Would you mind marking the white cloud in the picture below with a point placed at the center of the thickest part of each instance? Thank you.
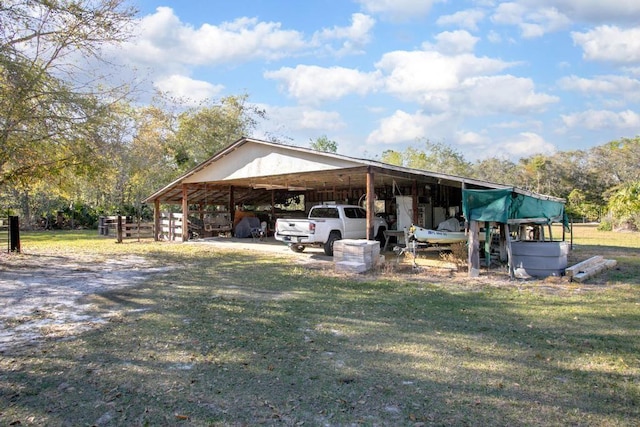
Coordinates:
(427, 77)
(602, 119)
(467, 19)
(516, 124)
(526, 144)
(455, 42)
(494, 37)
(402, 127)
(533, 19)
(502, 94)
(398, 10)
(298, 122)
(597, 11)
(471, 139)
(536, 18)
(311, 84)
(509, 13)
(356, 36)
(185, 87)
(164, 38)
(610, 43)
(463, 82)
(619, 87)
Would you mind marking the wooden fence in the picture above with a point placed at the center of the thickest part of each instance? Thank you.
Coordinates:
(170, 227)
(124, 227)
(199, 226)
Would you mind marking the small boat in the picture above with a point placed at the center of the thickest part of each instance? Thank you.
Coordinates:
(436, 237)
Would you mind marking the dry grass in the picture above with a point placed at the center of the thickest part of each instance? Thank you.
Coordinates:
(237, 338)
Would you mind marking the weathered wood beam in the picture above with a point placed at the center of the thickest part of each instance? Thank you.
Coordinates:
(371, 205)
(474, 249)
(156, 219)
(185, 212)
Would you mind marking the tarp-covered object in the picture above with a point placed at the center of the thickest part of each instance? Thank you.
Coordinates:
(246, 224)
(501, 205)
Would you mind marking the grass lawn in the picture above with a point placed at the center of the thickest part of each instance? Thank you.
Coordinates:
(239, 338)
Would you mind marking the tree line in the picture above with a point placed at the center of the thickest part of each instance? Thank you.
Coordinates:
(73, 147)
(599, 184)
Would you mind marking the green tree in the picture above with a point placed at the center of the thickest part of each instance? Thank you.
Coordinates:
(51, 118)
(392, 157)
(617, 161)
(415, 158)
(324, 144)
(202, 131)
(435, 157)
(494, 169)
(580, 207)
(624, 204)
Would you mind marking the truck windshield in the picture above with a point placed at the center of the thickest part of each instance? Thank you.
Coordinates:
(324, 213)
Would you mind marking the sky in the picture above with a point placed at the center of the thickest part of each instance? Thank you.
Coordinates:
(487, 78)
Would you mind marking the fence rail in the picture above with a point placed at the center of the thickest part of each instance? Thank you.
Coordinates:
(124, 227)
(170, 227)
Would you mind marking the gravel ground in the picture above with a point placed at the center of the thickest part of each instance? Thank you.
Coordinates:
(47, 300)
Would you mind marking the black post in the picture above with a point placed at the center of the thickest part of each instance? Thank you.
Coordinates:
(14, 234)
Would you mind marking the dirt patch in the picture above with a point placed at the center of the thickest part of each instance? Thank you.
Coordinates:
(44, 296)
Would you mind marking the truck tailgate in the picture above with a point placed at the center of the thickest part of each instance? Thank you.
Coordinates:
(292, 226)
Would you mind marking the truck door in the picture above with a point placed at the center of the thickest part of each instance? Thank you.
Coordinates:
(355, 223)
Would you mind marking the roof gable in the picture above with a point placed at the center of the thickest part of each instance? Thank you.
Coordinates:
(252, 159)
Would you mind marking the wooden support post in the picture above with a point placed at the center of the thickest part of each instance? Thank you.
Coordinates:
(414, 206)
(474, 249)
(232, 205)
(156, 219)
(273, 212)
(505, 230)
(171, 231)
(185, 213)
(504, 234)
(119, 229)
(371, 205)
(487, 244)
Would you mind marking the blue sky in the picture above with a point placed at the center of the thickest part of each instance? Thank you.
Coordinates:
(489, 78)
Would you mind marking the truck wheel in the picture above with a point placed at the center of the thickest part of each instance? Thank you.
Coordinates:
(328, 246)
(296, 247)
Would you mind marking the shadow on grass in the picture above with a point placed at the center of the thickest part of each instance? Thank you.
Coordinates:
(233, 338)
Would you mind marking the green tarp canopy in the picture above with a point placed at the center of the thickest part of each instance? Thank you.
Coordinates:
(503, 205)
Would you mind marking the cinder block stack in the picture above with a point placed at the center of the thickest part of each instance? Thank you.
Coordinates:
(356, 256)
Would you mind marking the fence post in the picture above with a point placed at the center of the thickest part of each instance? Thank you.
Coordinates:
(119, 229)
(14, 234)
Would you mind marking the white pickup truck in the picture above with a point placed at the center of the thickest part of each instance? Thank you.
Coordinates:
(325, 225)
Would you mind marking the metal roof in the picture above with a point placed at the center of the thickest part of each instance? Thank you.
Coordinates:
(254, 167)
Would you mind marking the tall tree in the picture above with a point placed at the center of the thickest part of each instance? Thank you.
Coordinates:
(392, 157)
(494, 169)
(617, 161)
(50, 111)
(204, 130)
(324, 144)
(624, 204)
